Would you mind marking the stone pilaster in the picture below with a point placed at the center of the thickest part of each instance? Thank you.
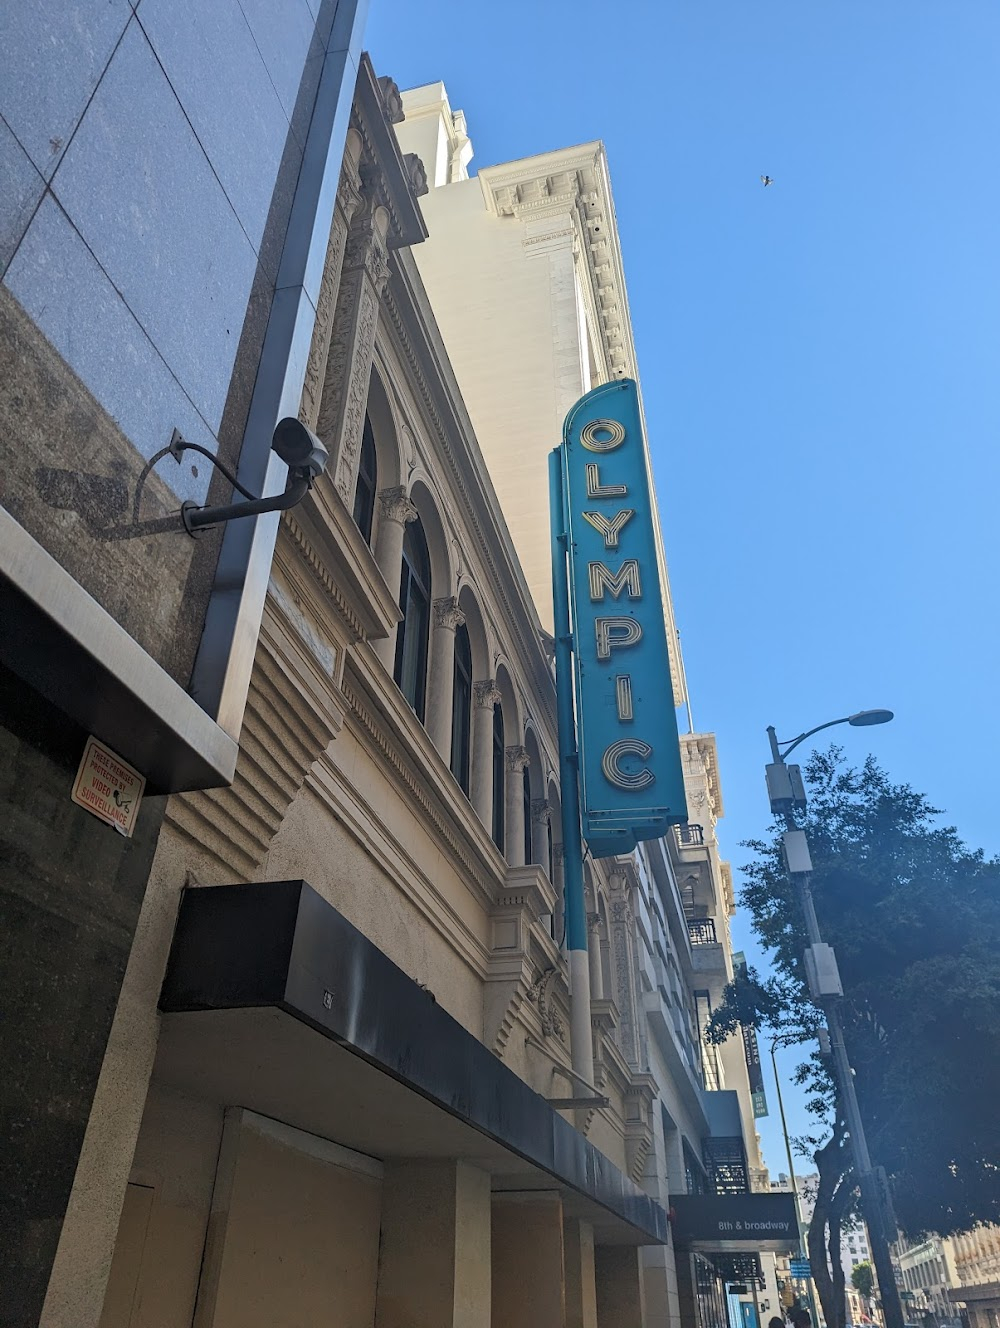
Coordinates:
(347, 204)
(352, 344)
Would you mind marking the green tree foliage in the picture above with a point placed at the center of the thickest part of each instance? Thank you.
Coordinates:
(914, 917)
(863, 1279)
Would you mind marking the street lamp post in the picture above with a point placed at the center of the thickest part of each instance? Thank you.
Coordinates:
(787, 794)
(780, 1041)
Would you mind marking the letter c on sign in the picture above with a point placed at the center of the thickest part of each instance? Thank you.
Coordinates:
(589, 432)
(614, 774)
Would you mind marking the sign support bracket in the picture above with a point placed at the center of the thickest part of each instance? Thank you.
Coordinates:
(572, 841)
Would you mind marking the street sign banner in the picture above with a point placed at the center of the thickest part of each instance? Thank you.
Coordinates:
(799, 1269)
(631, 783)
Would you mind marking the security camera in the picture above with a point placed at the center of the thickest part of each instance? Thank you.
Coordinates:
(298, 448)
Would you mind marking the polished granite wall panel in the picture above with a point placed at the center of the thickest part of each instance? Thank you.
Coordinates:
(52, 57)
(285, 36)
(20, 191)
(149, 268)
(138, 187)
(215, 68)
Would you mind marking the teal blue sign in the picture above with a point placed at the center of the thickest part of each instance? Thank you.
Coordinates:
(631, 785)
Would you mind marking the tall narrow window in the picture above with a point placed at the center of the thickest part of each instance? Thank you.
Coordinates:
(364, 494)
(410, 670)
(526, 796)
(461, 709)
(499, 827)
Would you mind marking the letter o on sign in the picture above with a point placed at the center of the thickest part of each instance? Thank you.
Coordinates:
(590, 440)
(611, 767)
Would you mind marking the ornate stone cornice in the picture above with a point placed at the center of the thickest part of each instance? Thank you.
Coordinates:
(391, 182)
(571, 191)
(447, 613)
(516, 759)
(486, 693)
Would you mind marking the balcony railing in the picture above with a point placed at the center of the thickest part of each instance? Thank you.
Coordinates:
(702, 931)
(691, 836)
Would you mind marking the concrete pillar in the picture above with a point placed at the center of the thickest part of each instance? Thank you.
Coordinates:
(485, 696)
(448, 617)
(660, 1284)
(594, 957)
(434, 1265)
(395, 510)
(528, 1273)
(620, 1301)
(581, 1286)
(516, 763)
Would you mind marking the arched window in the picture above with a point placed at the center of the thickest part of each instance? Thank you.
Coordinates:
(526, 796)
(499, 826)
(410, 670)
(364, 494)
(461, 709)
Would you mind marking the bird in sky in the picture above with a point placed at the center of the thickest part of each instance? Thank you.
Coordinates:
(766, 180)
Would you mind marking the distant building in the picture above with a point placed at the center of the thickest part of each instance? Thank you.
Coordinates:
(975, 1258)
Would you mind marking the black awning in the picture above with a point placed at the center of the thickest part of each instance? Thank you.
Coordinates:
(243, 952)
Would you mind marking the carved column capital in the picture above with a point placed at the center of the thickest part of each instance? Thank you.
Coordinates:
(394, 505)
(517, 759)
(540, 810)
(594, 921)
(447, 613)
(487, 694)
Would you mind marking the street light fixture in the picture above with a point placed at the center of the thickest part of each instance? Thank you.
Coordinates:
(787, 795)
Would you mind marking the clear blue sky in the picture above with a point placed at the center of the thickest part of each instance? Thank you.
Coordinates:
(818, 359)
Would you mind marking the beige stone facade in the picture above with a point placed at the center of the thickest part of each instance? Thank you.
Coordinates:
(247, 1162)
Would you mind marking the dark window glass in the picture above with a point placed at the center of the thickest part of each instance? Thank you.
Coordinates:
(526, 795)
(364, 494)
(461, 709)
(498, 773)
(410, 670)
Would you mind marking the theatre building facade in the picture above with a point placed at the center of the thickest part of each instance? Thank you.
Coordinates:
(338, 1085)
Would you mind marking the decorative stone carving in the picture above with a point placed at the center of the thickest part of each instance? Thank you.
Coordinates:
(415, 173)
(517, 759)
(594, 922)
(448, 614)
(486, 693)
(352, 345)
(538, 994)
(541, 811)
(391, 100)
(348, 200)
(394, 505)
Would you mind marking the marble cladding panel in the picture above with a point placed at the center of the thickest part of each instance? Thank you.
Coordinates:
(139, 189)
(215, 68)
(52, 57)
(21, 189)
(56, 280)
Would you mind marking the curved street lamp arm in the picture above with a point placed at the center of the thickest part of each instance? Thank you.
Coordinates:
(790, 746)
